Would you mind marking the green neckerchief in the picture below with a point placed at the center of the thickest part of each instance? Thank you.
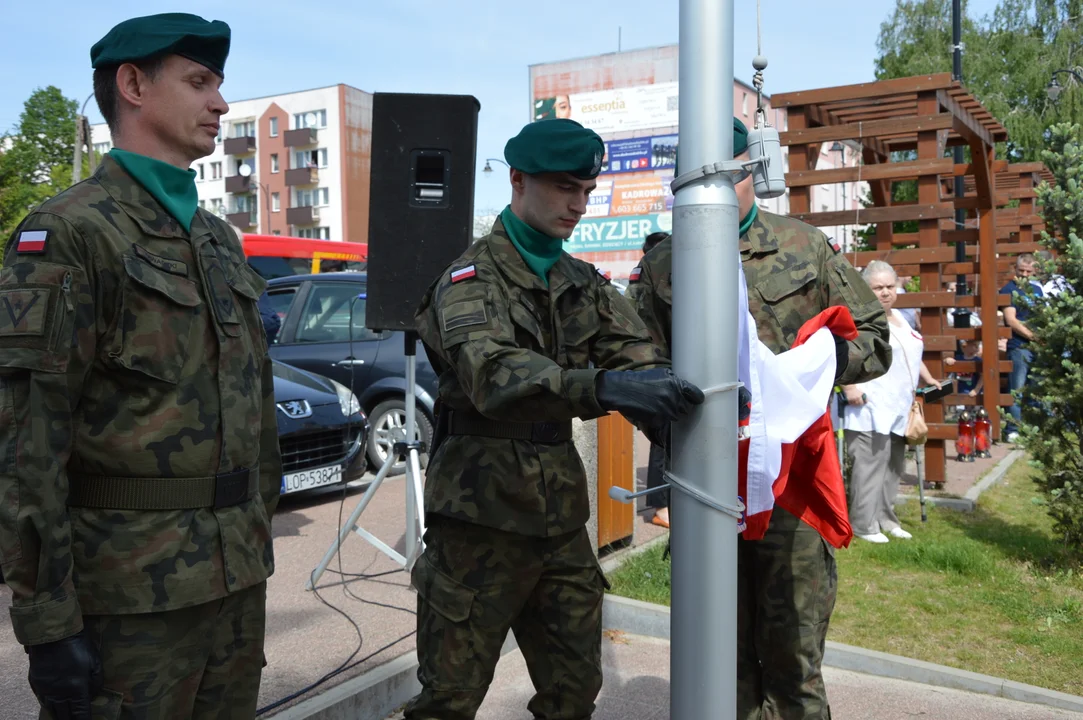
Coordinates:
(173, 187)
(749, 219)
(539, 251)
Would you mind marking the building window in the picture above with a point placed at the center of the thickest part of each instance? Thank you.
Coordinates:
(276, 205)
(216, 206)
(274, 162)
(316, 233)
(274, 127)
(218, 138)
(276, 232)
(103, 147)
(744, 104)
(314, 198)
(310, 158)
(200, 172)
(823, 208)
(203, 204)
(311, 119)
(216, 171)
(244, 129)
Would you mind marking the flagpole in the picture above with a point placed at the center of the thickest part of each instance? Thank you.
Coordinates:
(703, 665)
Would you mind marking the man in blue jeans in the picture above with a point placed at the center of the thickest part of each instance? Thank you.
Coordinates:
(1015, 315)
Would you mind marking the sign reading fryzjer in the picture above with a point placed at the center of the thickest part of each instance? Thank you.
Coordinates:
(616, 233)
(616, 110)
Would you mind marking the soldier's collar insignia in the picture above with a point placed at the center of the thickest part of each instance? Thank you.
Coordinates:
(463, 274)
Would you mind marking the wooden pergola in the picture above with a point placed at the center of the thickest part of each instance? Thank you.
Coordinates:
(925, 115)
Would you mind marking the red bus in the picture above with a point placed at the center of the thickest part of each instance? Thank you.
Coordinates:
(275, 256)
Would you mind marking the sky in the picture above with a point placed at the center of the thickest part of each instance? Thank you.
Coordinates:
(477, 47)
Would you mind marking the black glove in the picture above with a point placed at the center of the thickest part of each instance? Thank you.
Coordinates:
(646, 397)
(842, 355)
(65, 675)
(744, 403)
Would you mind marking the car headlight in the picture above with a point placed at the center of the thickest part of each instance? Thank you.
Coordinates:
(347, 400)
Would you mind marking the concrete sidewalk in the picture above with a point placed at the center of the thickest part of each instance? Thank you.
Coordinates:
(637, 688)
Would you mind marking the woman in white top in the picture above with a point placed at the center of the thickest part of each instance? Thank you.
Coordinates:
(875, 419)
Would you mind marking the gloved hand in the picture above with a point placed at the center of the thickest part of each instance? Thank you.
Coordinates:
(744, 404)
(842, 355)
(66, 675)
(646, 397)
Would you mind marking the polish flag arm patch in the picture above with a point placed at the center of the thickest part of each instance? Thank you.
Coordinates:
(463, 274)
(32, 242)
(635, 274)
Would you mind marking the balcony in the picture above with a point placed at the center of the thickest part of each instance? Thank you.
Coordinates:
(238, 184)
(304, 215)
(300, 137)
(239, 145)
(301, 176)
(243, 220)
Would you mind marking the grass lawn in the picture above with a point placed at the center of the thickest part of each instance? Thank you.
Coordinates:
(991, 591)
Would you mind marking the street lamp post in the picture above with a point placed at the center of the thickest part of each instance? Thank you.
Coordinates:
(1054, 90)
(82, 134)
(488, 169)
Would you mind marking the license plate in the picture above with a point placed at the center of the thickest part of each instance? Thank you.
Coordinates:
(308, 479)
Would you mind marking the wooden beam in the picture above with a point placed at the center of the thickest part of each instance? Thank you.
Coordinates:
(822, 117)
(974, 333)
(967, 124)
(800, 198)
(943, 431)
(869, 90)
(970, 366)
(938, 343)
(910, 256)
(876, 215)
(1004, 400)
(869, 129)
(878, 171)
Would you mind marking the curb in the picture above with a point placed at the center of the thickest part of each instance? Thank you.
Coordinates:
(969, 501)
(640, 618)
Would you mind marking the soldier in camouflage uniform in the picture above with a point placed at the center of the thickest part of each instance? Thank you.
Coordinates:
(139, 463)
(787, 580)
(525, 338)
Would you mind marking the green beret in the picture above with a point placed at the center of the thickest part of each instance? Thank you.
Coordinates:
(558, 145)
(740, 137)
(190, 36)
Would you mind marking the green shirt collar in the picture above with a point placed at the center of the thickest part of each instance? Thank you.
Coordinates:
(540, 252)
(171, 186)
(749, 219)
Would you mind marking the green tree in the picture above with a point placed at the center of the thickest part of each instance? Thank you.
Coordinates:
(1052, 401)
(1008, 60)
(37, 155)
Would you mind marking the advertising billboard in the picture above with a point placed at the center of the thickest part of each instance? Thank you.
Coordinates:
(614, 110)
(640, 154)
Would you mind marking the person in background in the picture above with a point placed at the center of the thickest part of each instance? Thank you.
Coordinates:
(658, 501)
(969, 383)
(271, 322)
(913, 318)
(1015, 316)
(875, 419)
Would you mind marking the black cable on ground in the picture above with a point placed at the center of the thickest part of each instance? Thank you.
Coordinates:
(348, 663)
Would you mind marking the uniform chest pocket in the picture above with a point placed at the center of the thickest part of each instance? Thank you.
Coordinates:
(246, 288)
(528, 329)
(156, 321)
(785, 282)
(790, 296)
(579, 329)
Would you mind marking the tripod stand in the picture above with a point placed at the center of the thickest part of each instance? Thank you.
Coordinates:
(406, 448)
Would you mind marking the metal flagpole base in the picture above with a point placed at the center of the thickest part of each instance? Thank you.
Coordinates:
(415, 510)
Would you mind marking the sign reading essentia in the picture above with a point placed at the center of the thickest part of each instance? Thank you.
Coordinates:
(615, 110)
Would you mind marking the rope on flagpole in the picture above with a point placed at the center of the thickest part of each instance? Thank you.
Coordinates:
(737, 511)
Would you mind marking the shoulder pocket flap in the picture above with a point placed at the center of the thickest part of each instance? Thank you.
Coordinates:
(177, 289)
(248, 282)
(447, 596)
(787, 281)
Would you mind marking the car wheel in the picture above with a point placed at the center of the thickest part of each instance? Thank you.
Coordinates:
(388, 421)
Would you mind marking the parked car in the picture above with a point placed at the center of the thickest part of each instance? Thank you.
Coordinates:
(321, 430)
(317, 335)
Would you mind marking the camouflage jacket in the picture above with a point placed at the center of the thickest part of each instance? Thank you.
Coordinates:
(129, 348)
(509, 348)
(793, 272)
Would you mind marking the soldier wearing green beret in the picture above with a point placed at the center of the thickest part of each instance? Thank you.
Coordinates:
(137, 411)
(786, 582)
(524, 339)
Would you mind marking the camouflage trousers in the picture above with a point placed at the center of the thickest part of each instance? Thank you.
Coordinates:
(200, 662)
(474, 584)
(785, 594)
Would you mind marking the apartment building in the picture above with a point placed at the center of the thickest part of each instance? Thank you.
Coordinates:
(295, 164)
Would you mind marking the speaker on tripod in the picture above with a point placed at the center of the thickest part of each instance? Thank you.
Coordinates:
(421, 207)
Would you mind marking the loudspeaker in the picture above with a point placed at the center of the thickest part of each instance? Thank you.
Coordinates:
(421, 201)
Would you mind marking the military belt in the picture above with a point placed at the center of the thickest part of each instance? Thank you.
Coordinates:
(466, 423)
(176, 493)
